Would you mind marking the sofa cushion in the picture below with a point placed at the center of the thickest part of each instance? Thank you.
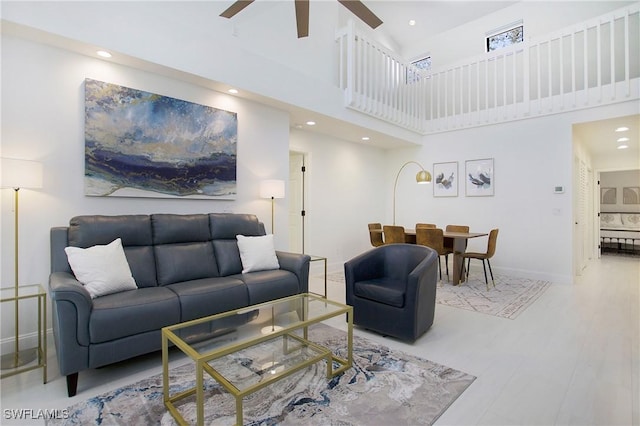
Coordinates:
(132, 312)
(210, 296)
(263, 286)
(133, 230)
(102, 269)
(87, 231)
(185, 262)
(226, 226)
(175, 228)
(384, 290)
(257, 253)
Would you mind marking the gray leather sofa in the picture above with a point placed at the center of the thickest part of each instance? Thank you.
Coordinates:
(185, 267)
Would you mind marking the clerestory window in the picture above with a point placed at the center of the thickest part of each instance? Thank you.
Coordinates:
(505, 36)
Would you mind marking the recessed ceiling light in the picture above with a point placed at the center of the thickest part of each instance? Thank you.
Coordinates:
(311, 123)
(103, 53)
(365, 138)
(233, 91)
(622, 129)
(623, 139)
(412, 22)
(623, 146)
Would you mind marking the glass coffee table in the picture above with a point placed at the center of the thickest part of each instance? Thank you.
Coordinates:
(247, 349)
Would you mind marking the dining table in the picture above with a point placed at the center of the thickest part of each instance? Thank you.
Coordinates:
(459, 246)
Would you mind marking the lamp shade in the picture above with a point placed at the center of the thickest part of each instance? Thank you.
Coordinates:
(21, 173)
(423, 176)
(272, 188)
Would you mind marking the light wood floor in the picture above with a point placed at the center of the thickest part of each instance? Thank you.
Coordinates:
(571, 358)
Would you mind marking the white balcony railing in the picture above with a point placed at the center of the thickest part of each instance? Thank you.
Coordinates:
(590, 64)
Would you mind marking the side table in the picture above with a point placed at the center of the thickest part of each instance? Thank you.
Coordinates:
(26, 292)
(321, 259)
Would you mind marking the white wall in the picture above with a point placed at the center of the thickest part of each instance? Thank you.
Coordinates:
(620, 180)
(43, 119)
(345, 192)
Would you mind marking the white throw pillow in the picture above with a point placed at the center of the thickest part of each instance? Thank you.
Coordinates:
(101, 269)
(257, 253)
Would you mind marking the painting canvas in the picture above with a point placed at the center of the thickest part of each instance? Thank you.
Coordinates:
(445, 176)
(140, 144)
(479, 178)
(608, 196)
(631, 195)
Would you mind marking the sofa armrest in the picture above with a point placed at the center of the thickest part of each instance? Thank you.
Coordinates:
(298, 264)
(74, 306)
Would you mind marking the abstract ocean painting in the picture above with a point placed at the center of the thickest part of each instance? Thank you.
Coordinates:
(140, 144)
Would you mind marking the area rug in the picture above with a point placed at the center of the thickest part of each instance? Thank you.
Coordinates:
(383, 387)
(510, 297)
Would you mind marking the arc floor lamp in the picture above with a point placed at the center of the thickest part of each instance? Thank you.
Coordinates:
(272, 188)
(422, 177)
(19, 174)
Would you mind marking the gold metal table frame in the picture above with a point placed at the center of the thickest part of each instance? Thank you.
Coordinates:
(27, 292)
(277, 323)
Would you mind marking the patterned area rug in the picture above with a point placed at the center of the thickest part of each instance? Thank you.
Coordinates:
(383, 387)
(510, 297)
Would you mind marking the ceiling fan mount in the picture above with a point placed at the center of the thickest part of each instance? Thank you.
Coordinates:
(302, 13)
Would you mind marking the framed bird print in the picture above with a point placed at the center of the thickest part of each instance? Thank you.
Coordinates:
(479, 178)
(445, 177)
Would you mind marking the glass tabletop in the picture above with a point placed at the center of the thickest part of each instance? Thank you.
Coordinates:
(232, 331)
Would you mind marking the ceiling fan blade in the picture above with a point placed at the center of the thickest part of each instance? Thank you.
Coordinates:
(235, 8)
(302, 17)
(361, 11)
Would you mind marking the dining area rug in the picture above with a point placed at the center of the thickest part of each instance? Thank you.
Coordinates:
(384, 386)
(508, 299)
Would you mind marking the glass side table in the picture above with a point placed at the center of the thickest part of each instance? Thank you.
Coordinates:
(28, 292)
(321, 259)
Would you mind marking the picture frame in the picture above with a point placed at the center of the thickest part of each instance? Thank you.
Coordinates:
(445, 179)
(608, 196)
(631, 195)
(142, 144)
(479, 178)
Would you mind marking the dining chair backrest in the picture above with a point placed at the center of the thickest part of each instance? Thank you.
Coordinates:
(425, 225)
(491, 244)
(375, 234)
(393, 234)
(448, 242)
(431, 237)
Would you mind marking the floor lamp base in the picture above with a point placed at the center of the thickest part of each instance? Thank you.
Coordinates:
(15, 360)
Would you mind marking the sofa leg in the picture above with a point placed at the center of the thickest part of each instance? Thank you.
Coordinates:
(72, 384)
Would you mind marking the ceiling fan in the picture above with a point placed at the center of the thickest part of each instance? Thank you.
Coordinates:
(302, 13)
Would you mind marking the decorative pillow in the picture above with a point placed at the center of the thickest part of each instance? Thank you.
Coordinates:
(631, 220)
(257, 253)
(101, 269)
(612, 220)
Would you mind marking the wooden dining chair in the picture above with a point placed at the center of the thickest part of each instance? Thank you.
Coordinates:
(448, 242)
(491, 250)
(433, 237)
(425, 225)
(375, 234)
(393, 234)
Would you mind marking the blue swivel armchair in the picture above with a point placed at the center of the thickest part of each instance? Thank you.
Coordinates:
(392, 289)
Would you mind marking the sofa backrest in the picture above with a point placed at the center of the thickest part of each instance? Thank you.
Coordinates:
(224, 228)
(182, 245)
(133, 230)
(163, 248)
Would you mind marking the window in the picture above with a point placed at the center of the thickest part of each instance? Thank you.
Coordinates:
(423, 64)
(502, 38)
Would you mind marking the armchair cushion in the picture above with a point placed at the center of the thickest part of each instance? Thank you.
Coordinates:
(383, 290)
